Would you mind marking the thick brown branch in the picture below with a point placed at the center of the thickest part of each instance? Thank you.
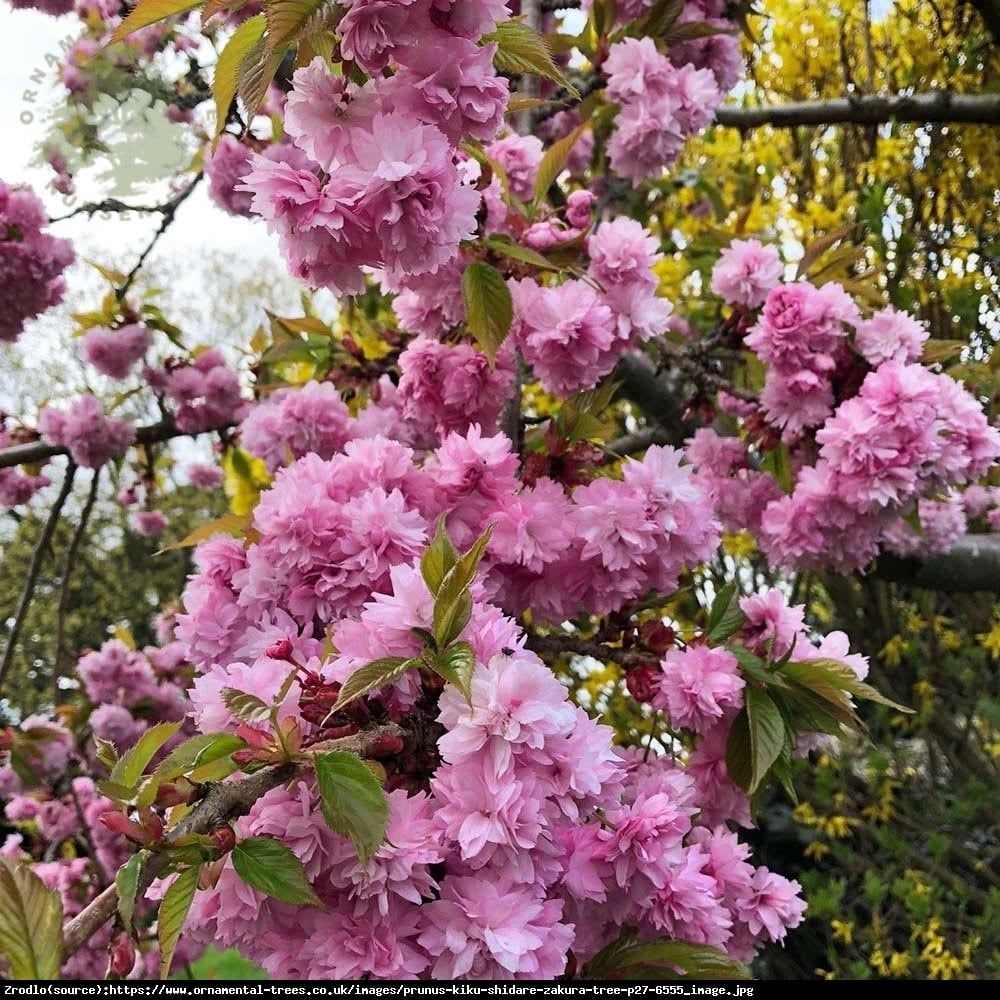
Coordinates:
(28, 591)
(222, 802)
(39, 451)
(556, 645)
(972, 564)
(941, 108)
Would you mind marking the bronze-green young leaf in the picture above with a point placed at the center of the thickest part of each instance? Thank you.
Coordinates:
(172, 914)
(31, 916)
(489, 308)
(373, 677)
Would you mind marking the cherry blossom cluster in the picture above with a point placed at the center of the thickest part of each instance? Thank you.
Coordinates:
(17, 486)
(383, 185)
(31, 261)
(83, 429)
(205, 393)
(519, 838)
(54, 804)
(874, 437)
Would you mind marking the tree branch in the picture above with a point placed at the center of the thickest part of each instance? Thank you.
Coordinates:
(972, 564)
(942, 107)
(555, 645)
(68, 564)
(222, 802)
(28, 591)
(38, 451)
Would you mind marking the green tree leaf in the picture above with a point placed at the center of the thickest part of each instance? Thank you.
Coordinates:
(554, 160)
(270, 867)
(724, 617)
(245, 707)
(354, 803)
(172, 914)
(438, 558)
(452, 604)
(289, 20)
(506, 247)
(521, 49)
(31, 917)
(455, 664)
(148, 12)
(190, 755)
(225, 78)
(628, 958)
(373, 677)
(129, 768)
(234, 525)
(127, 882)
(767, 733)
(840, 676)
(489, 308)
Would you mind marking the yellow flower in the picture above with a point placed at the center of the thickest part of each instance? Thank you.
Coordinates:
(843, 930)
(899, 964)
(892, 652)
(991, 640)
(739, 545)
(816, 850)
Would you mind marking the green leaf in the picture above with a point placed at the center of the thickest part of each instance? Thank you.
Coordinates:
(753, 666)
(172, 914)
(506, 247)
(840, 676)
(255, 73)
(106, 753)
(129, 768)
(245, 707)
(288, 20)
(489, 308)
(662, 17)
(725, 617)
(767, 733)
(603, 15)
(521, 49)
(271, 868)
(190, 755)
(127, 882)
(554, 160)
(624, 958)
(373, 677)
(689, 31)
(452, 604)
(778, 462)
(31, 938)
(224, 80)
(148, 12)
(739, 759)
(456, 664)
(809, 711)
(354, 804)
(438, 559)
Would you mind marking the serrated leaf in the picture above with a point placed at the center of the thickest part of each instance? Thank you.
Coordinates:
(148, 12)
(172, 914)
(234, 525)
(31, 938)
(127, 883)
(819, 246)
(452, 604)
(767, 733)
(190, 755)
(939, 351)
(840, 676)
(456, 664)
(271, 868)
(489, 308)
(554, 160)
(739, 759)
(506, 247)
(255, 73)
(372, 677)
(288, 20)
(224, 80)
(661, 959)
(245, 707)
(130, 767)
(438, 558)
(521, 49)
(690, 31)
(353, 801)
(724, 617)
(106, 753)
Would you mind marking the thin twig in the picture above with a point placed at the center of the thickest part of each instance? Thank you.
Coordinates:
(28, 591)
(640, 440)
(169, 211)
(555, 645)
(222, 802)
(68, 564)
